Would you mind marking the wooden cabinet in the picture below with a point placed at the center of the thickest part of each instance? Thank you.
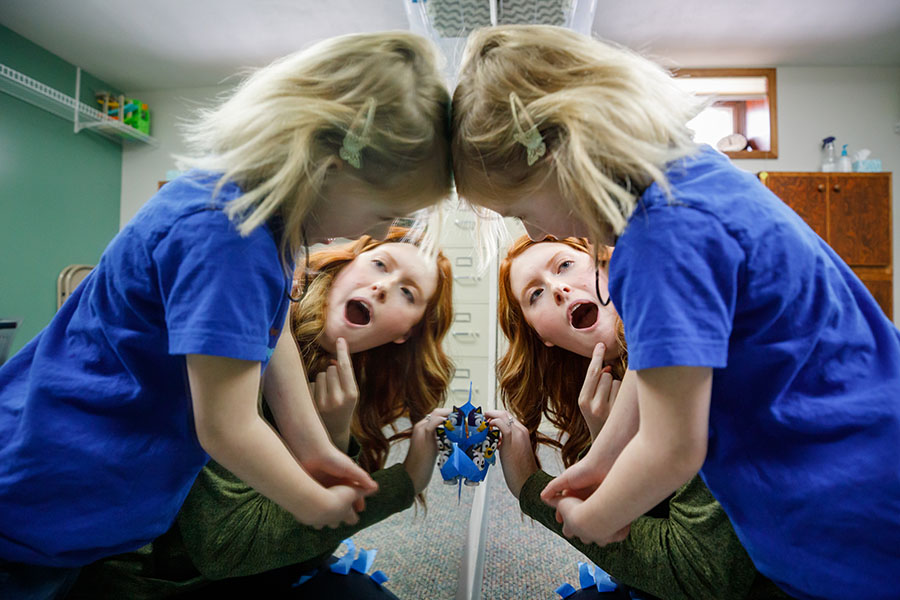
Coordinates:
(850, 211)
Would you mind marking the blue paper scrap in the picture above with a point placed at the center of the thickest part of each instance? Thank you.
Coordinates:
(342, 566)
(304, 578)
(604, 582)
(585, 575)
(361, 563)
(379, 577)
(589, 575)
(364, 561)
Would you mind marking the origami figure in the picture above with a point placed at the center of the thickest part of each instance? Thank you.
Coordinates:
(466, 445)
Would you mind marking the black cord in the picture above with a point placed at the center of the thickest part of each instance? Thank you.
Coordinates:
(305, 268)
(597, 287)
(306, 262)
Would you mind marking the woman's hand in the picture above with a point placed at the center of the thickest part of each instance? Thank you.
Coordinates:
(422, 453)
(598, 393)
(515, 450)
(335, 394)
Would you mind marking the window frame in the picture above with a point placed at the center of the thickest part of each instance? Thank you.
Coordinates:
(771, 96)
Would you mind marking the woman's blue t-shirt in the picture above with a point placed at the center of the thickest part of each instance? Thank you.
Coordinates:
(97, 442)
(804, 426)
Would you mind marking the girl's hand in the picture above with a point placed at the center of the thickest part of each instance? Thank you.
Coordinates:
(580, 480)
(422, 453)
(570, 512)
(515, 450)
(331, 467)
(335, 394)
(598, 392)
(337, 505)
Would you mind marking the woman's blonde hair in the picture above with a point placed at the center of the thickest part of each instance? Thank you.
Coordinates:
(285, 126)
(609, 121)
(537, 380)
(395, 380)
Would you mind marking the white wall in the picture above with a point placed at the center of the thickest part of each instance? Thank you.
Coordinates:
(144, 166)
(858, 105)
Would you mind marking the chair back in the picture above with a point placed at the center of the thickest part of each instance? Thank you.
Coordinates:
(68, 280)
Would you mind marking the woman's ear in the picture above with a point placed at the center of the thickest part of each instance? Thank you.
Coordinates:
(402, 339)
(548, 344)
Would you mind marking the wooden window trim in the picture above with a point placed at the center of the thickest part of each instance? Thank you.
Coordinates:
(772, 94)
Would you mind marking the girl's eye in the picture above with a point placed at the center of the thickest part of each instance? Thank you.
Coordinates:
(409, 295)
(379, 264)
(564, 265)
(534, 296)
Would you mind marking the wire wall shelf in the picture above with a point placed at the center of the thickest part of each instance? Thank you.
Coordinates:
(83, 116)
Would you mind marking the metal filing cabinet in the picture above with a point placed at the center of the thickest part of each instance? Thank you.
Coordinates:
(470, 341)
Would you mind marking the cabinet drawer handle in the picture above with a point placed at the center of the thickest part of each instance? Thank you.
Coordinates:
(462, 374)
(465, 335)
(837, 188)
(464, 391)
(467, 278)
(821, 187)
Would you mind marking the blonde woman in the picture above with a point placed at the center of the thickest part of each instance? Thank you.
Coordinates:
(755, 353)
(155, 362)
(370, 327)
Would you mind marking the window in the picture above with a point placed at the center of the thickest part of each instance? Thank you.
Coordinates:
(741, 119)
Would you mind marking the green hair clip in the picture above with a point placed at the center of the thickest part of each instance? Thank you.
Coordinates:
(533, 143)
(531, 139)
(354, 143)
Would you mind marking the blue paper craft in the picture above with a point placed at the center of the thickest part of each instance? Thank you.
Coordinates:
(585, 575)
(604, 582)
(466, 445)
(364, 561)
(343, 564)
(379, 577)
(361, 563)
(589, 575)
(304, 578)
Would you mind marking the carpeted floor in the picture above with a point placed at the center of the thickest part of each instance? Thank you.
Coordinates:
(421, 553)
(523, 560)
(421, 550)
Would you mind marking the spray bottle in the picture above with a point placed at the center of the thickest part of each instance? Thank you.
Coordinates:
(829, 157)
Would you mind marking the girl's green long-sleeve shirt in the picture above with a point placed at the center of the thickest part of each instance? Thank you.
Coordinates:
(692, 554)
(227, 529)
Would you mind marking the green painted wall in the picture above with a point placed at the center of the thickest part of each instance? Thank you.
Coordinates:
(59, 191)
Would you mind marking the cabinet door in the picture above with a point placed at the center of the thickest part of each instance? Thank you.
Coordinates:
(882, 288)
(806, 193)
(860, 218)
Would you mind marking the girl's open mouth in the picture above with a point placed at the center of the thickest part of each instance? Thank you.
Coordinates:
(584, 315)
(357, 312)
